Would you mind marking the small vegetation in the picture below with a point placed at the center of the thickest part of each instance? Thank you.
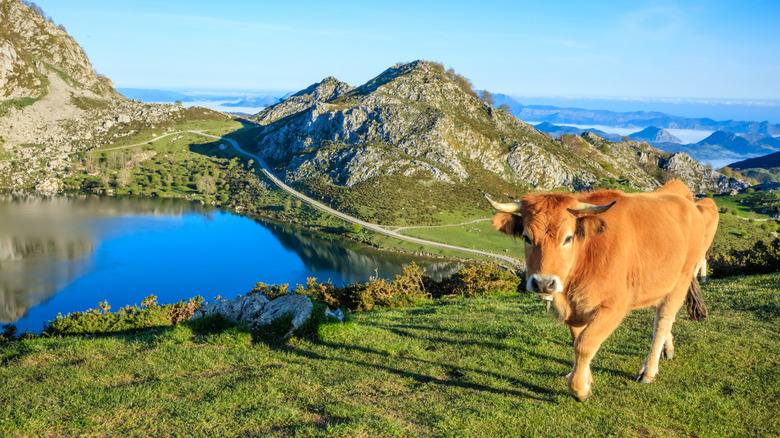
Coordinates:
(761, 258)
(18, 104)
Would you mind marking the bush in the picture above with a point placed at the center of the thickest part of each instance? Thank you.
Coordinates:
(476, 280)
(127, 319)
(762, 258)
(407, 288)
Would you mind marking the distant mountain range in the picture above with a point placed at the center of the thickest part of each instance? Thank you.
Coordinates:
(228, 99)
(636, 119)
(721, 146)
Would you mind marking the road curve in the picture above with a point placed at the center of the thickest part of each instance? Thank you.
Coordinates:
(374, 227)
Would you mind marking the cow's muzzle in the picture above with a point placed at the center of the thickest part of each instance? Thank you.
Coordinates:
(544, 285)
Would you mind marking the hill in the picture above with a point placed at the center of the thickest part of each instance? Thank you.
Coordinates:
(559, 130)
(417, 136)
(52, 103)
(764, 169)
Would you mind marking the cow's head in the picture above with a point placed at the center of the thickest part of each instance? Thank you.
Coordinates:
(553, 228)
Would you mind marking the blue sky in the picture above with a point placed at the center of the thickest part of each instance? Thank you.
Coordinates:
(691, 49)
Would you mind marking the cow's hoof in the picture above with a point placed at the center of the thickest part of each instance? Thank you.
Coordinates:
(581, 397)
(668, 353)
(644, 378)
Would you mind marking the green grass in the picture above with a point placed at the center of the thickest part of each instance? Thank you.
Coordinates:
(18, 103)
(477, 235)
(739, 234)
(486, 366)
(751, 205)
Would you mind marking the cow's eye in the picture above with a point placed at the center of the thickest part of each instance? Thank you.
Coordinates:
(527, 239)
(567, 240)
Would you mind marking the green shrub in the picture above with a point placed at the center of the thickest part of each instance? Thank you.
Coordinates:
(762, 258)
(476, 280)
(407, 289)
(127, 319)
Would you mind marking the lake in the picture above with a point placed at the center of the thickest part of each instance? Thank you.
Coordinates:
(67, 254)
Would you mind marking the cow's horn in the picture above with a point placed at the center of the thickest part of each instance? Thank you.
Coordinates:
(509, 207)
(584, 208)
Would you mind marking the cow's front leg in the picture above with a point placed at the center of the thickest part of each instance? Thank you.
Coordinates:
(575, 333)
(603, 322)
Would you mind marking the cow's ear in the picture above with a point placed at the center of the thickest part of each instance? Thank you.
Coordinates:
(590, 226)
(508, 223)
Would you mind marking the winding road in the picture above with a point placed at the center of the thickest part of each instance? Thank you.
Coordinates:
(373, 227)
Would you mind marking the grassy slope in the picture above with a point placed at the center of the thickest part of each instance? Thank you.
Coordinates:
(488, 366)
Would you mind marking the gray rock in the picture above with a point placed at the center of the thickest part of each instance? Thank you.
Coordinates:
(49, 186)
(256, 310)
(299, 306)
(241, 309)
(338, 314)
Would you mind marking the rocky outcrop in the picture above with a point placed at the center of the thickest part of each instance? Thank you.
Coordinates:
(698, 178)
(257, 311)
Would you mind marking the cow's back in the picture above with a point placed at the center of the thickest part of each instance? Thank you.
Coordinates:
(652, 239)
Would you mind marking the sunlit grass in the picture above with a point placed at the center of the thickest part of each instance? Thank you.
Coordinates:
(486, 366)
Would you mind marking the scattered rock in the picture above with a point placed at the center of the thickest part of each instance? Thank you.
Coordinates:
(241, 309)
(49, 186)
(338, 314)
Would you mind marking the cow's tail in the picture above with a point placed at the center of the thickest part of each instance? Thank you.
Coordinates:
(695, 303)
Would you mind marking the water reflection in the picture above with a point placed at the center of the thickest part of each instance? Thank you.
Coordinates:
(67, 254)
(351, 260)
(46, 243)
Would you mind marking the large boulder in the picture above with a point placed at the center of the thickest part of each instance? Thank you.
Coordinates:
(256, 310)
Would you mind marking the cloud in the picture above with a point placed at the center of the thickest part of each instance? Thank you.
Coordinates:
(573, 44)
(659, 22)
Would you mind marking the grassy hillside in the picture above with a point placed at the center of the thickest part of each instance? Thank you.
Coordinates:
(486, 366)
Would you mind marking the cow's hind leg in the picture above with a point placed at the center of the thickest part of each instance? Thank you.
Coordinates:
(602, 324)
(665, 314)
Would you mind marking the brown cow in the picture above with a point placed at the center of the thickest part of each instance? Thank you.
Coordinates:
(707, 208)
(599, 255)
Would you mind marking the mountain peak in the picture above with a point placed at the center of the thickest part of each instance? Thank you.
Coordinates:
(326, 90)
(653, 134)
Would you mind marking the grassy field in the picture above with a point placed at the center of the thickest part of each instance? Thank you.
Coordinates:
(485, 366)
(753, 205)
(478, 235)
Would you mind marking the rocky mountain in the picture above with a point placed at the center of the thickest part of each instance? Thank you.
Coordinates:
(652, 134)
(634, 119)
(719, 146)
(420, 123)
(328, 89)
(52, 102)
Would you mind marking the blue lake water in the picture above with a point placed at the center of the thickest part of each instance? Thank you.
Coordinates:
(65, 255)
